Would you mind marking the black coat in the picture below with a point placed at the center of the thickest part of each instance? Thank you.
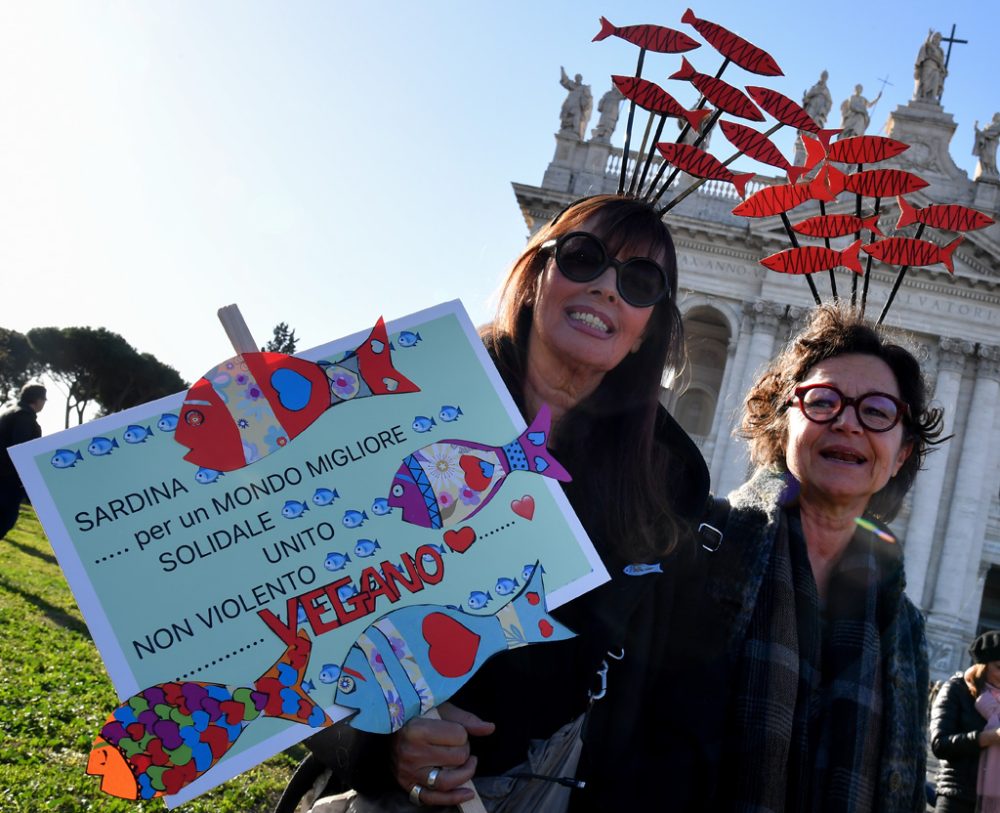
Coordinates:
(955, 727)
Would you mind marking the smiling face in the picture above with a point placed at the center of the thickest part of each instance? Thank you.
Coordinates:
(586, 325)
(841, 463)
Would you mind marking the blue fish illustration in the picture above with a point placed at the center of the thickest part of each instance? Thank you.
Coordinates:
(167, 422)
(301, 616)
(336, 561)
(416, 657)
(642, 570)
(308, 686)
(325, 496)
(408, 338)
(366, 547)
(423, 424)
(505, 586)
(101, 446)
(450, 413)
(329, 673)
(206, 476)
(137, 434)
(354, 519)
(346, 591)
(381, 507)
(478, 599)
(427, 559)
(293, 509)
(529, 569)
(65, 458)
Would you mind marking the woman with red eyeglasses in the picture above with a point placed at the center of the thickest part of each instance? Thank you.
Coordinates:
(621, 716)
(828, 654)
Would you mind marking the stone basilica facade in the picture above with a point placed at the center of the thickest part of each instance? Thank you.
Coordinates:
(737, 314)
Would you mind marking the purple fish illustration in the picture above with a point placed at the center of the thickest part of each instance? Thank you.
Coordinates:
(168, 735)
(416, 657)
(447, 482)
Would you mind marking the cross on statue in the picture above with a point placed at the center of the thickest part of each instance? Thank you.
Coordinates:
(884, 82)
(951, 39)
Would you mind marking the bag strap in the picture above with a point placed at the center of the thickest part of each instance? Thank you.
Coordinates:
(713, 523)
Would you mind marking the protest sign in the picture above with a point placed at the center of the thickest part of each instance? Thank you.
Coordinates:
(270, 571)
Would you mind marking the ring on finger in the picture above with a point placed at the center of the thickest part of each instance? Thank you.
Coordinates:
(432, 777)
(415, 792)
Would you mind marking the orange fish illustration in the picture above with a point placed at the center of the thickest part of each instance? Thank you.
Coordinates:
(950, 217)
(759, 147)
(733, 47)
(788, 112)
(657, 38)
(809, 259)
(697, 162)
(650, 96)
(908, 251)
(837, 225)
(864, 149)
(721, 94)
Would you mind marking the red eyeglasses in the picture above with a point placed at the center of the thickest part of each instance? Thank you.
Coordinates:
(823, 403)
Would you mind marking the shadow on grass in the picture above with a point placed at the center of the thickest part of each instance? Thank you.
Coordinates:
(56, 615)
(30, 551)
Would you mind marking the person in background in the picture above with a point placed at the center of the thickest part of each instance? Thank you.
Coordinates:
(959, 733)
(829, 661)
(627, 711)
(17, 425)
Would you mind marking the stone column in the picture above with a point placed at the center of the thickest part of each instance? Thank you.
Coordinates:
(929, 485)
(956, 604)
(722, 420)
(765, 318)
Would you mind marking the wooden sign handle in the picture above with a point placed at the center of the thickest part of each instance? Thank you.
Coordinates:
(475, 804)
(237, 330)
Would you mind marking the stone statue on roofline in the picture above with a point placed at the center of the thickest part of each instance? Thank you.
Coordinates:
(854, 116)
(929, 71)
(576, 108)
(609, 107)
(985, 149)
(817, 101)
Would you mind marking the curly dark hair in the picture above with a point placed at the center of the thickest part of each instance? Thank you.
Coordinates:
(837, 330)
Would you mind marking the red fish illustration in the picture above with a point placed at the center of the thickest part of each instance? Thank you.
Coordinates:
(864, 149)
(650, 96)
(721, 94)
(699, 163)
(251, 405)
(773, 200)
(788, 112)
(950, 217)
(733, 47)
(759, 147)
(874, 183)
(163, 738)
(907, 251)
(808, 259)
(657, 38)
(837, 225)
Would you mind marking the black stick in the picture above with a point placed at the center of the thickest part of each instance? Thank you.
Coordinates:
(857, 236)
(649, 155)
(628, 128)
(795, 244)
(899, 280)
(642, 149)
(868, 265)
(826, 240)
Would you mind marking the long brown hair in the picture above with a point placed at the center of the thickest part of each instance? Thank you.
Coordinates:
(626, 494)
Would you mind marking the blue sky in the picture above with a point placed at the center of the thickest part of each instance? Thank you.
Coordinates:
(325, 163)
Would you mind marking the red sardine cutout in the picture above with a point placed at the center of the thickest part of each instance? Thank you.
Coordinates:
(950, 217)
(836, 225)
(657, 38)
(788, 112)
(874, 183)
(865, 149)
(773, 200)
(759, 147)
(699, 163)
(732, 46)
(723, 95)
(809, 259)
(908, 251)
(815, 151)
(650, 96)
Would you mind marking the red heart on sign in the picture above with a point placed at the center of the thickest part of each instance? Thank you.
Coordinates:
(452, 647)
(545, 628)
(475, 477)
(524, 507)
(460, 540)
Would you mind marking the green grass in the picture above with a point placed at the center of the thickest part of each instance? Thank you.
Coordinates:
(55, 695)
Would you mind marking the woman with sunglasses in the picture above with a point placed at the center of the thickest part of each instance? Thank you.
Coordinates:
(587, 323)
(828, 653)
